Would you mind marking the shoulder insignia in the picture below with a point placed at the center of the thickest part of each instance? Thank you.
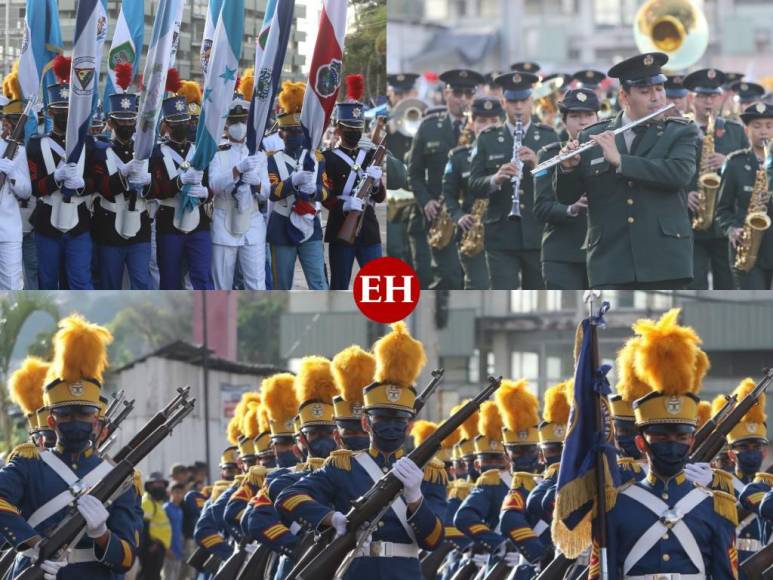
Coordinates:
(459, 149)
(218, 488)
(340, 459)
(490, 477)
(256, 475)
(514, 501)
(629, 464)
(459, 489)
(315, 463)
(490, 129)
(138, 482)
(300, 467)
(551, 470)
(680, 120)
(722, 481)
(435, 472)
(766, 478)
(524, 479)
(25, 451)
(725, 505)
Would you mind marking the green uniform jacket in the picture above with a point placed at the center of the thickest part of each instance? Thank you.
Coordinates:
(729, 136)
(456, 190)
(493, 149)
(563, 239)
(399, 145)
(397, 176)
(638, 225)
(735, 193)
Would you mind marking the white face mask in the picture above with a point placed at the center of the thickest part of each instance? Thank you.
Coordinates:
(237, 131)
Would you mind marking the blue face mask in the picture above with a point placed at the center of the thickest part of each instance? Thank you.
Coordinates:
(286, 459)
(322, 446)
(389, 434)
(627, 444)
(74, 436)
(356, 442)
(749, 461)
(293, 142)
(668, 457)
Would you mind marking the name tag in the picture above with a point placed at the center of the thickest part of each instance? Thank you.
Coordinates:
(466, 174)
(748, 188)
(433, 144)
(495, 157)
(597, 161)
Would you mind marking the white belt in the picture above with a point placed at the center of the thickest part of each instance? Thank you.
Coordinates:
(667, 577)
(388, 550)
(748, 545)
(115, 208)
(81, 555)
(75, 199)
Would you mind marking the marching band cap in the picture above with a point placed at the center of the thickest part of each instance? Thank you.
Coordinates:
(589, 78)
(518, 407)
(490, 429)
(350, 114)
(642, 70)
(732, 77)
(675, 88)
(706, 81)
(124, 105)
(747, 91)
(239, 109)
(314, 388)
(529, 67)
(175, 109)
(13, 108)
(567, 79)
(462, 78)
(757, 111)
(353, 370)
(517, 85)
(402, 81)
(228, 458)
(486, 107)
(752, 425)
(579, 100)
(58, 95)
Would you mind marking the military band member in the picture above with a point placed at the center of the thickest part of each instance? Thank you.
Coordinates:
(353, 370)
(563, 259)
(239, 182)
(512, 246)
(530, 67)
(591, 79)
(739, 181)
(399, 86)
(747, 93)
(486, 112)
(710, 251)
(16, 191)
(677, 94)
(639, 230)
(180, 233)
(437, 135)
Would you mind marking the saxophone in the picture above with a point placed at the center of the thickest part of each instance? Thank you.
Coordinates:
(441, 230)
(471, 243)
(757, 220)
(708, 182)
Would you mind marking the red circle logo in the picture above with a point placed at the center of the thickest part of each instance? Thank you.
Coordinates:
(386, 290)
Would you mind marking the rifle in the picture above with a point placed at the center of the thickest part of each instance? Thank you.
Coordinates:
(432, 561)
(716, 419)
(113, 404)
(713, 443)
(557, 569)
(231, 568)
(421, 400)
(255, 567)
(198, 559)
(16, 138)
(73, 525)
(112, 425)
(352, 224)
(6, 561)
(757, 565)
(327, 553)
(467, 570)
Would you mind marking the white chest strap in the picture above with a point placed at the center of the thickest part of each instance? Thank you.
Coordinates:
(666, 515)
(112, 161)
(354, 165)
(747, 521)
(540, 527)
(173, 160)
(46, 145)
(398, 506)
(282, 161)
(74, 485)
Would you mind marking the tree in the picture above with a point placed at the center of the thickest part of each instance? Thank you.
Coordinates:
(258, 326)
(365, 48)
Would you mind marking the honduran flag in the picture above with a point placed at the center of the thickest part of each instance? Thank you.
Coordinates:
(126, 46)
(210, 24)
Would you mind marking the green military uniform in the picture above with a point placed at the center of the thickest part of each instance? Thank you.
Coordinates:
(397, 237)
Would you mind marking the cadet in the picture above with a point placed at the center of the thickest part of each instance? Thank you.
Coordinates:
(639, 232)
(437, 135)
(748, 94)
(711, 252)
(677, 94)
(239, 182)
(563, 259)
(353, 370)
(34, 485)
(512, 246)
(466, 211)
(26, 389)
(746, 178)
(413, 521)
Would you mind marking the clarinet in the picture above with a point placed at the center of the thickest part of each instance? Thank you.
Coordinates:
(515, 211)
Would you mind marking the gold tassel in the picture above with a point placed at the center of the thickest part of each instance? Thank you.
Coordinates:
(138, 482)
(340, 459)
(724, 505)
(766, 478)
(300, 467)
(490, 477)
(315, 463)
(523, 479)
(722, 481)
(435, 472)
(25, 451)
(577, 343)
(551, 470)
(574, 542)
(256, 475)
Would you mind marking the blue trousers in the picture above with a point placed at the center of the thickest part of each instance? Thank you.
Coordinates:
(312, 256)
(30, 261)
(134, 257)
(342, 258)
(197, 248)
(69, 256)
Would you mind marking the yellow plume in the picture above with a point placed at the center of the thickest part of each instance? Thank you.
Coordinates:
(399, 357)
(291, 97)
(421, 430)
(704, 413)
(27, 382)
(234, 430)
(470, 426)
(757, 412)
(490, 421)
(247, 84)
(11, 85)
(315, 380)
(556, 409)
(353, 369)
(80, 350)
(718, 402)
(702, 367)
(629, 386)
(517, 405)
(191, 90)
(279, 397)
(263, 425)
(249, 425)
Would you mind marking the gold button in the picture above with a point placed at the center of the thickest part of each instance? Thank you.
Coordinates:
(664, 495)
(630, 220)
(665, 536)
(666, 557)
(630, 201)
(381, 524)
(384, 469)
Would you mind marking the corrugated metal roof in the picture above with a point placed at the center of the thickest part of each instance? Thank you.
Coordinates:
(321, 333)
(742, 326)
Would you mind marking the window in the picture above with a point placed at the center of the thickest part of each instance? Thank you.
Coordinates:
(553, 300)
(490, 363)
(524, 365)
(473, 367)
(523, 300)
(553, 368)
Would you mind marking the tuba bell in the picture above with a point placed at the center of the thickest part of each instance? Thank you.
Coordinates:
(406, 116)
(675, 27)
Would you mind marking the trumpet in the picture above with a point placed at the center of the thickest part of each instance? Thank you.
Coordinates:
(515, 211)
(553, 161)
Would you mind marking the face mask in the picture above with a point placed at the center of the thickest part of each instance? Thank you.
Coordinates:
(293, 141)
(237, 131)
(472, 471)
(668, 457)
(60, 123)
(356, 442)
(322, 446)
(191, 131)
(388, 435)
(75, 435)
(351, 138)
(627, 444)
(157, 493)
(178, 133)
(749, 461)
(124, 132)
(286, 459)
(49, 438)
(527, 463)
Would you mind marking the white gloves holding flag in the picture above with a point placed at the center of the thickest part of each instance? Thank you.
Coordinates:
(700, 473)
(353, 203)
(95, 514)
(247, 165)
(73, 180)
(137, 170)
(374, 172)
(300, 178)
(411, 477)
(7, 166)
(191, 176)
(338, 522)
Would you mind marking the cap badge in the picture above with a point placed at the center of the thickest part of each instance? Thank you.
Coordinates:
(648, 60)
(316, 410)
(488, 105)
(582, 97)
(493, 444)
(463, 74)
(751, 427)
(179, 105)
(357, 112)
(125, 103)
(589, 74)
(517, 78)
(760, 108)
(400, 78)
(673, 405)
(357, 410)
(559, 430)
(744, 87)
(393, 393)
(77, 389)
(712, 74)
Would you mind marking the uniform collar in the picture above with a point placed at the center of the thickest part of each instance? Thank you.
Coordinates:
(660, 484)
(71, 457)
(385, 457)
(511, 127)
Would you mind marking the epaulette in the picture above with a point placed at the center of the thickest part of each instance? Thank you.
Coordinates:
(315, 463)
(680, 120)
(629, 464)
(26, 451)
(551, 470)
(224, 147)
(299, 467)
(340, 459)
(490, 477)
(550, 147)
(256, 475)
(459, 489)
(490, 129)
(736, 153)
(722, 481)
(524, 479)
(724, 505)
(218, 488)
(459, 149)
(596, 125)
(237, 480)
(435, 472)
(766, 478)
(138, 482)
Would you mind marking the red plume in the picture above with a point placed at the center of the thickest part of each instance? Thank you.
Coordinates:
(355, 87)
(123, 74)
(62, 68)
(172, 80)
(238, 82)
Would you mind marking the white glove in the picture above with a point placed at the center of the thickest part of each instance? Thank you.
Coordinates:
(512, 559)
(95, 514)
(251, 178)
(247, 164)
(365, 143)
(308, 188)
(199, 191)
(191, 175)
(374, 172)
(411, 476)
(74, 182)
(338, 521)
(353, 203)
(251, 548)
(6, 166)
(51, 568)
(480, 560)
(700, 473)
(261, 161)
(124, 168)
(61, 172)
(302, 178)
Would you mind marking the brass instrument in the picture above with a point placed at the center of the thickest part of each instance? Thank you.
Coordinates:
(546, 95)
(515, 210)
(406, 116)
(441, 230)
(708, 182)
(471, 243)
(676, 27)
(757, 220)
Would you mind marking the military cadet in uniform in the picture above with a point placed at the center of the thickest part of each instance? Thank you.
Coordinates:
(512, 246)
(677, 94)
(206, 532)
(639, 231)
(710, 251)
(563, 258)
(26, 386)
(437, 135)
(745, 189)
(34, 481)
(353, 370)
(486, 111)
(414, 520)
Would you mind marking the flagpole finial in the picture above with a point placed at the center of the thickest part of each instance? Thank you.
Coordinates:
(590, 297)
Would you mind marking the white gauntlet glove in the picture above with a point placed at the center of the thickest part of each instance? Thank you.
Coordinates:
(374, 172)
(247, 164)
(251, 177)
(338, 521)
(411, 476)
(95, 514)
(61, 172)
(72, 180)
(353, 203)
(199, 191)
(700, 473)
(300, 178)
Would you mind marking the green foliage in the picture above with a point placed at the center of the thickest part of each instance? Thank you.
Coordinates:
(365, 48)
(258, 326)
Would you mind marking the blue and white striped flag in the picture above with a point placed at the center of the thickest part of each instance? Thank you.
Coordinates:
(218, 88)
(210, 24)
(126, 46)
(102, 29)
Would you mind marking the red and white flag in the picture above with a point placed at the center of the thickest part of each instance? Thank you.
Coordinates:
(326, 72)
